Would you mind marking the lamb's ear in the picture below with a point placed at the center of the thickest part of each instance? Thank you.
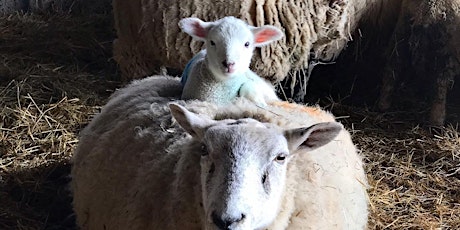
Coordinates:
(192, 123)
(312, 137)
(266, 34)
(195, 27)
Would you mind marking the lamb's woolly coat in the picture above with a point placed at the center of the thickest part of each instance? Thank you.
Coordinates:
(130, 172)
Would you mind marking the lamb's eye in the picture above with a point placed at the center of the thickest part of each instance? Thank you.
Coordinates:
(212, 43)
(280, 158)
(204, 150)
(246, 44)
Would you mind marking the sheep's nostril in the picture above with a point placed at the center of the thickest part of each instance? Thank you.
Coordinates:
(218, 221)
(224, 223)
(228, 64)
(242, 217)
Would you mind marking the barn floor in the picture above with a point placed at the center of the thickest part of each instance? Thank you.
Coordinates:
(56, 72)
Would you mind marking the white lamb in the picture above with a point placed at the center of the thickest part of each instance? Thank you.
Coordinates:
(238, 167)
(220, 73)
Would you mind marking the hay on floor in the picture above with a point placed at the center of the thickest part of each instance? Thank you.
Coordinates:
(54, 72)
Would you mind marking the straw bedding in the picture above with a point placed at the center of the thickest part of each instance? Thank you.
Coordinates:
(56, 72)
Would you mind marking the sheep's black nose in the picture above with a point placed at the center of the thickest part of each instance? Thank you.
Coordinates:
(228, 64)
(224, 223)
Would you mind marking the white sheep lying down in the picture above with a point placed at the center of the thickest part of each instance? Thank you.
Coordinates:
(236, 167)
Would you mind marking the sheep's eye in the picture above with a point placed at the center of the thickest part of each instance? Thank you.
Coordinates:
(280, 158)
(204, 150)
(212, 43)
(246, 44)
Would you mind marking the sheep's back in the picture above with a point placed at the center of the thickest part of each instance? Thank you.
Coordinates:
(327, 186)
(134, 128)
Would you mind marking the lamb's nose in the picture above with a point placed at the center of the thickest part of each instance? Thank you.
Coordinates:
(224, 223)
(228, 64)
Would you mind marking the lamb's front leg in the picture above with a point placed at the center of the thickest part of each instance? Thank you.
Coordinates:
(248, 90)
(257, 90)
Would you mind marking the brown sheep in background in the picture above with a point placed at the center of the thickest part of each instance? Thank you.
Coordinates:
(426, 39)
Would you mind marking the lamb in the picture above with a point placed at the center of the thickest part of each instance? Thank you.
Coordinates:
(221, 72)
(237, 166)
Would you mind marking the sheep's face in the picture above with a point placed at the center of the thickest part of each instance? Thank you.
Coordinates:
(230, 43)
(243, 169)
(243, 166)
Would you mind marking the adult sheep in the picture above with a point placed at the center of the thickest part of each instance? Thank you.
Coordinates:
(239, 167)
(148, 36)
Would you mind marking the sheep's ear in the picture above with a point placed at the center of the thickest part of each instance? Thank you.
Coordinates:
(312, 137)
(195, 27)
(191, 122)
(266, 34)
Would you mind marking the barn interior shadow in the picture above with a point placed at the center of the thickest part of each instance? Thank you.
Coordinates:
(59, 62)
(355, 79)
(38, 197)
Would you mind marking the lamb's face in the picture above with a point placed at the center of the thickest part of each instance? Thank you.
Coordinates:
(230, 46)
(230, 42)
(243, 170)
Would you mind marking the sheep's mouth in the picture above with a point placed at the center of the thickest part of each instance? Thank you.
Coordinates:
(229, 70)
